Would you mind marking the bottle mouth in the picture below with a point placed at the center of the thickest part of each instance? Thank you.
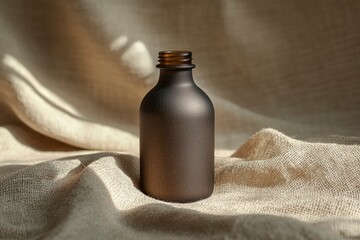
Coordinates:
(175, 59)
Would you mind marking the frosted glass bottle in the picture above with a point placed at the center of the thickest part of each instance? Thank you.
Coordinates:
(176, 134)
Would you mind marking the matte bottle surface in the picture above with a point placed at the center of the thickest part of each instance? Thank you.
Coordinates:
(177, 139)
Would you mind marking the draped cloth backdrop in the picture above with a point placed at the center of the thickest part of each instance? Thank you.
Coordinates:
(73, 73)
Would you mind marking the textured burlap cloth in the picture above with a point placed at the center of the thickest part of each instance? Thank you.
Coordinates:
(73, 73)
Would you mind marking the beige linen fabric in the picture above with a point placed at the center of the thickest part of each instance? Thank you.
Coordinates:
(97, 196)
(73, 73)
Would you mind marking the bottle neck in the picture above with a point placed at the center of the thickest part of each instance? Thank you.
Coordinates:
(175, 77)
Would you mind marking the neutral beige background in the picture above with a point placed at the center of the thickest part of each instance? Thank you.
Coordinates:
(73, 74)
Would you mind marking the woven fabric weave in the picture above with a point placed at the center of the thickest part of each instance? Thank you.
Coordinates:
(273, 187)
(73, 73)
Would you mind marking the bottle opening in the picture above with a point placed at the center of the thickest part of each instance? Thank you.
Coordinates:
(175, 59)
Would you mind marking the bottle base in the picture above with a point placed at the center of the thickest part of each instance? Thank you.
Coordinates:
(182, 199)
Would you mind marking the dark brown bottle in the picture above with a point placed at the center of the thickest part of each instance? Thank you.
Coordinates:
(176, 134)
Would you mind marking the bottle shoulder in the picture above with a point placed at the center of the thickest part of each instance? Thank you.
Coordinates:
(185, 98)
